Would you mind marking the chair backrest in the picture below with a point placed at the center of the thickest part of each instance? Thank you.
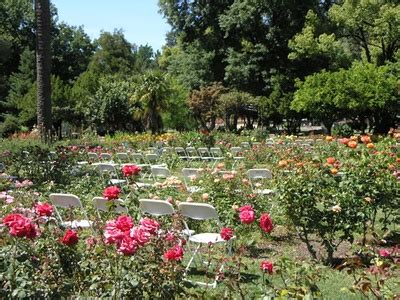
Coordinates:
(2, 167)
(236, 150)
(152, 149)
(188, 173)
(105, 156)
(245, 145)
(259, 174)
(156, 207)
(191, 151)
(158, 171)
(100, 204)
(216, 151)
(152, 157)
(180, 151)
(93, 155)
(122, 156)
(198, 211)
(138, 157)
(106, 168)
(65, 200)
(203, 151)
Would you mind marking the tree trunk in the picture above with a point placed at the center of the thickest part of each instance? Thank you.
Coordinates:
(43, 67)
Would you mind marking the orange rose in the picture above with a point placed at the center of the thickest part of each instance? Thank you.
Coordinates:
(365, 139)
(330, 160)
(329, 138)
(334, 171)
(352, 144)
(282, 163)
(354, 138)
(370, 145)
(398, 160)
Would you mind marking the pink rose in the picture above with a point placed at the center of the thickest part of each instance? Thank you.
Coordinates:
(246, 214)
(43, 209)
(384, 252)
(127, 246)
(226, 233)
(267, 266)
(266, 223)
(20, 226)
(140, 235)
(150, 225)
(131, 170)
(111, 192)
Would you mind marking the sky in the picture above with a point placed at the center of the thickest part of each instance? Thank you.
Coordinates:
(139, 19)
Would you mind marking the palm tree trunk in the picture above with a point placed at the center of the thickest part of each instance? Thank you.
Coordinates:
(43, 67)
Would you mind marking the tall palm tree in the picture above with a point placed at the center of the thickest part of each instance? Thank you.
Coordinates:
(152, 92)
(43, 66)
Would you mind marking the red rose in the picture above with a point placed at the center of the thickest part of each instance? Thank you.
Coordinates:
(226, 233)
(127, 246)
(140, 235)
(267, 266)
(129, 170)
(246, 214)
(175, 253)
(43, 209)
(266, 223)
(70, 238)
(111, 192)
(20, 226)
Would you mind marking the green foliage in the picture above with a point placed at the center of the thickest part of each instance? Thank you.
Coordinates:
(9, 126)
(343, 130)
(109, 109)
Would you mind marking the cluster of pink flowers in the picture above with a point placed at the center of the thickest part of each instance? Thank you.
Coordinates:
(8, 198)
(131, 170)
(20, 226)
(248, 216)
(23, 184)
(111, 192)
(43, 209)
(267, 266)
(127, 237)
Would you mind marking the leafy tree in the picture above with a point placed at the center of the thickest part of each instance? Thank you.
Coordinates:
(145, 58)
(372, 25)
(109, 109)
(72, 50)
(205, 104)
(151, 93)
(114, 54)
(235, 104)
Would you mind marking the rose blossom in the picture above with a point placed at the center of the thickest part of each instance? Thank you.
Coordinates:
(266, 223)
(131, 170)
(111, 192)
(267, 266)
(226, 233)
(150, 225)
(140, 235)
(384, 252)
(20, 226)
(174, 253)
(70, 238)
(246, 214)
(116, 229)
(127, 246)
(43, 209)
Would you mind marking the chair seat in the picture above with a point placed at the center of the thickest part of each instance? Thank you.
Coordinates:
(206, 238)
(188, 232)
(82, 163)
(143, 185)
(264, 192)
(239, 157)
(77, 224)
(117, 181)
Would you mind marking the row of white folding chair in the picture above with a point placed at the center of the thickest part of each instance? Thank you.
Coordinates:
(257, 175)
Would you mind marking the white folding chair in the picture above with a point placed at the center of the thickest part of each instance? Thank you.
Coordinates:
(106, 156)
(123, 158)
(203, 212)
(205, 154)
(153, 159)
(158, 208)
(67, 201)
(159, 172)
(192, 153)
(92, 156)
(180, 151)
(245, 145)
(217, 153)
(102, 205)
(189, 174)
(110, 170)
(255, 175)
